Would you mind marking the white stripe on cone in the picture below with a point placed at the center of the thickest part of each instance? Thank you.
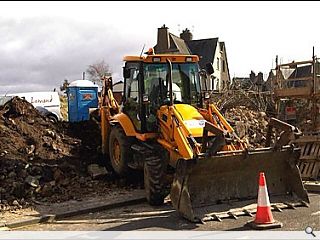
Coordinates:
(263, 198)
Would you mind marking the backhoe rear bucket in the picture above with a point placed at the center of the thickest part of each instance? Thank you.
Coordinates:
(213, 184)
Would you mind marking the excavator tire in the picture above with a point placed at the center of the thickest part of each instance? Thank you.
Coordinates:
(119, 151)
(154, 173)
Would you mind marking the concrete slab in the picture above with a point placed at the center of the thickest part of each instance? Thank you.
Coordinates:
(312, 186)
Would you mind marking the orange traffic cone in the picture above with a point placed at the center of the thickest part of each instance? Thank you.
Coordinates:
(264, 218)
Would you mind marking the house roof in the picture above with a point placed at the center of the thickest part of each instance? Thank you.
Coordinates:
(241, 82)
(179, 44)
(204, 48)
(303, 71)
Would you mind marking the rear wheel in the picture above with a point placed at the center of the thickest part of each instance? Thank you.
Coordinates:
(119, 151)
(154, 174)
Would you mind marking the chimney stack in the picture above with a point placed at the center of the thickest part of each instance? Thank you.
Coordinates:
(163, 38)
(186, 35)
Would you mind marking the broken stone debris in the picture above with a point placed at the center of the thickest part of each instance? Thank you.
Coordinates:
(96, 170)
(250, 125)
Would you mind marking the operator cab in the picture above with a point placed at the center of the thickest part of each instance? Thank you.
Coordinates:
(146, 86)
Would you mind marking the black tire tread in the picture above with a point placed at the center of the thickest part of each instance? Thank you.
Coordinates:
(155, 167)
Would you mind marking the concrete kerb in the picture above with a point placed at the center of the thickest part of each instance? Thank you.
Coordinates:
(52, 217)
(26, 222)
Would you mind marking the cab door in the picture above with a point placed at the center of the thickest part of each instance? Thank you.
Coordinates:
(131, 103)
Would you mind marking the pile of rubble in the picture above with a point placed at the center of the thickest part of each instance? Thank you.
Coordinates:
(45, 162)
(250, 125)
(257, 101)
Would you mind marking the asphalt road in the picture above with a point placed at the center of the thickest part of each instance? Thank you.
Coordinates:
(145, 217)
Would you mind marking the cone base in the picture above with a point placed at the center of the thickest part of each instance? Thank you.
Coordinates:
(263, 226)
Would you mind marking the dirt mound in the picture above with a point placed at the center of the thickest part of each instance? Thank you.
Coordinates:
(29, 136)
(43, 161)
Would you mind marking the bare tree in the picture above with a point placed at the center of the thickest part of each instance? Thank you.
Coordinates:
(98, 71)
(64, 85)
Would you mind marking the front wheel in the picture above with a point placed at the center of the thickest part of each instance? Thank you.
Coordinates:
(119, 151)
(154, 174)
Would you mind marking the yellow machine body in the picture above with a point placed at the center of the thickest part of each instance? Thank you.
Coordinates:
(211, 163)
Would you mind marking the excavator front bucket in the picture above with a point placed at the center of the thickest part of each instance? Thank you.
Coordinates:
(206, 186)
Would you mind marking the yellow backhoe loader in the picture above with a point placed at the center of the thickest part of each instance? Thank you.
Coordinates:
(165, 126)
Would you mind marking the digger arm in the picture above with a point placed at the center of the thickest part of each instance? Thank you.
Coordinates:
(108, 99)
(108, 108)
(218, 120)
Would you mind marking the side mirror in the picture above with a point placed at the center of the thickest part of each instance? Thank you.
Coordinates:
(126, 72)
(209, 68)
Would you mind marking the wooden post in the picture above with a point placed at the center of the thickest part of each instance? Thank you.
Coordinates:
(313, 97)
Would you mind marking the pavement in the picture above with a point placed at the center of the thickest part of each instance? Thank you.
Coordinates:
(164, 218)
(43, 213)
(129, 211)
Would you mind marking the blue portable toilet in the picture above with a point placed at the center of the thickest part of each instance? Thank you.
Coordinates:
(82, 95)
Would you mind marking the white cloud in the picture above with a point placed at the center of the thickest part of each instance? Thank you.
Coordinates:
(43, 51)
(42, 43)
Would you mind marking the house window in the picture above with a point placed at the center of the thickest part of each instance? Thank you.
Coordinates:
(212, 83)
(223, 65)
(218, 63)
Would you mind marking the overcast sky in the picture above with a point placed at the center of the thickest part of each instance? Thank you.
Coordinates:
(43, 43)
